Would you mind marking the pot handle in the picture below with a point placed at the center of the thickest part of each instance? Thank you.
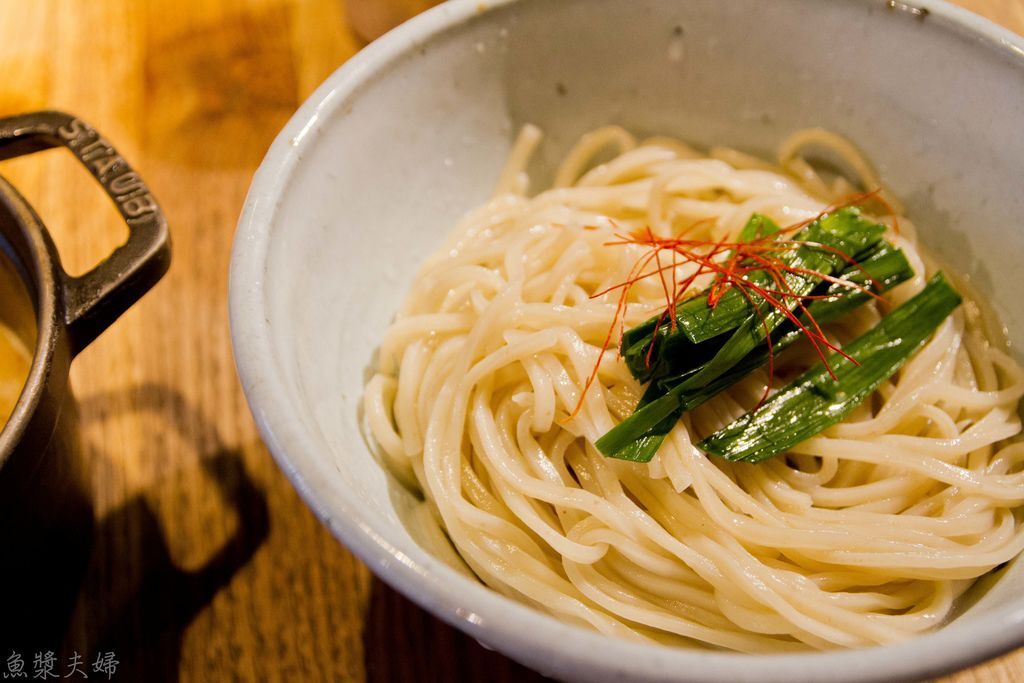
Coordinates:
(99, 297)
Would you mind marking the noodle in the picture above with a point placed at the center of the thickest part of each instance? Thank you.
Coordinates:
(866, 533)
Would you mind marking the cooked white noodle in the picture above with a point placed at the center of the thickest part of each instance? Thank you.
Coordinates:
(864, 534)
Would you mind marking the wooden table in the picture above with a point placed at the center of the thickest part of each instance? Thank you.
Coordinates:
(205, 565)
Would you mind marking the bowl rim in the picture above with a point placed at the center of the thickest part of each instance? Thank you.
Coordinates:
(517, 630)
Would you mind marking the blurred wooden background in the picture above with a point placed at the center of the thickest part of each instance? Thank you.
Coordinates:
(205, 565)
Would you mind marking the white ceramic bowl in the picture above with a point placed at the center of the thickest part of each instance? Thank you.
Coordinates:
(376, 166)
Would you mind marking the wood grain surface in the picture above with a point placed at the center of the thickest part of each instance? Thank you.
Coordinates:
(204, 564)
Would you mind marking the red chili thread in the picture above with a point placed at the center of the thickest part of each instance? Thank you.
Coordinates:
(761, 255)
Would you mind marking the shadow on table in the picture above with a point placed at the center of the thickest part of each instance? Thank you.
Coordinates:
(402, 642)
(149, 615)
(118, 586)
(144, 612)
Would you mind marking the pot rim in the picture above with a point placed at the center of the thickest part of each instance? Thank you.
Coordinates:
(41, 263)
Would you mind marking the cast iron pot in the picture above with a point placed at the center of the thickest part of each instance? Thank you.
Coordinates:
(44, 511)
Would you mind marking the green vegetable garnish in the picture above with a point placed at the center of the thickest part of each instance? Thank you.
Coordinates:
(769, 293)
(697, 358)
(816, 400)
(885, 268)
(828, 245)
